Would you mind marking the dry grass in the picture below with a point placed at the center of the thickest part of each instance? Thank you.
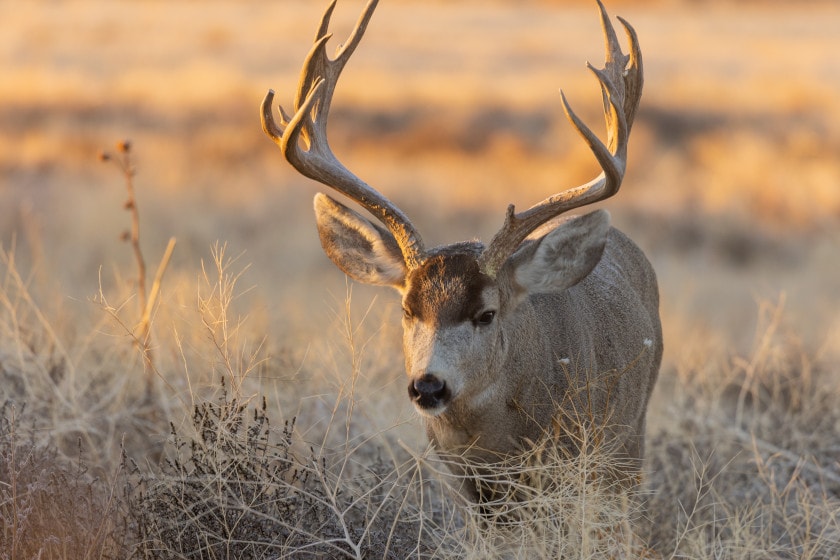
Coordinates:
(732, 190)
(748, 468)
(742, 460)
(51, 507)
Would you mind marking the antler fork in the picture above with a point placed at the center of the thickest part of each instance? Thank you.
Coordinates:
(621, 82)
(303, 137)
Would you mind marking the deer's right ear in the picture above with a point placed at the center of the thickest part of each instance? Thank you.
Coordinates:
(365, 251)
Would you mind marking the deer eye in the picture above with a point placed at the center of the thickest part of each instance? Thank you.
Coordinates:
(485, 318)
(407, 314)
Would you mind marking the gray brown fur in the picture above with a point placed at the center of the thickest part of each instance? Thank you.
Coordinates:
(603, 332)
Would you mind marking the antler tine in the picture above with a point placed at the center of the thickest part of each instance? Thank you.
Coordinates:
(633, 73)
(303, 137)
(621, 82)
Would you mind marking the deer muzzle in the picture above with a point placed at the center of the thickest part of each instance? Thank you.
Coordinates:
(429, 393)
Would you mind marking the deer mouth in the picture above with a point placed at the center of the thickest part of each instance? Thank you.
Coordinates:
(430, 394)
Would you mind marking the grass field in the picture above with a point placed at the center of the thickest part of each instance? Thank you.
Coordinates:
(268, 418)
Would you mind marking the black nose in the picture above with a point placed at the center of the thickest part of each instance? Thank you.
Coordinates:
(428, 391)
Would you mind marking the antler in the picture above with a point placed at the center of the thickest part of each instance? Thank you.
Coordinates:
(303, 137)
(621, 86)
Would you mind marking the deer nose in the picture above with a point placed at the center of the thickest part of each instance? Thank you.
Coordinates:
(428, 391)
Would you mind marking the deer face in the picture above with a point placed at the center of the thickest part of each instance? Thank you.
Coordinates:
(458, 321)
(451, 333)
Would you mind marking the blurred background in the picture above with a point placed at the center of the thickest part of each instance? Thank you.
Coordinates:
(452, 110)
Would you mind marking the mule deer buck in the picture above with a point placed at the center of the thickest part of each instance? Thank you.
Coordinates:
(551, 319)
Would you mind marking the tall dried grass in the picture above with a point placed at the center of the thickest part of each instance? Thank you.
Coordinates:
(742, 462)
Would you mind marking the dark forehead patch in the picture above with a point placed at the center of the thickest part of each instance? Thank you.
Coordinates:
(446, 289)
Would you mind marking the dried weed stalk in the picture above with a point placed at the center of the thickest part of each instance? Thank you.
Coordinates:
(141, 332)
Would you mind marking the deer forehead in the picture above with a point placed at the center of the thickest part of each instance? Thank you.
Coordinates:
(449, 289)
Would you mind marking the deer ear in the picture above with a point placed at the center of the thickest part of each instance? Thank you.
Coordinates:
(563, 257)
(365, 251)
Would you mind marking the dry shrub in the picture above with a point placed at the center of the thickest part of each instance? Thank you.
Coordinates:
(233, 487)
(49, 507)
(749, 467)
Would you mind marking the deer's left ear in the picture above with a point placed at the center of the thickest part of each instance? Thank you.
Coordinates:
(561, 258)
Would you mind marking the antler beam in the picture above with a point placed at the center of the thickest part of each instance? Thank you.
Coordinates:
(621, 82)
(303, 137)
